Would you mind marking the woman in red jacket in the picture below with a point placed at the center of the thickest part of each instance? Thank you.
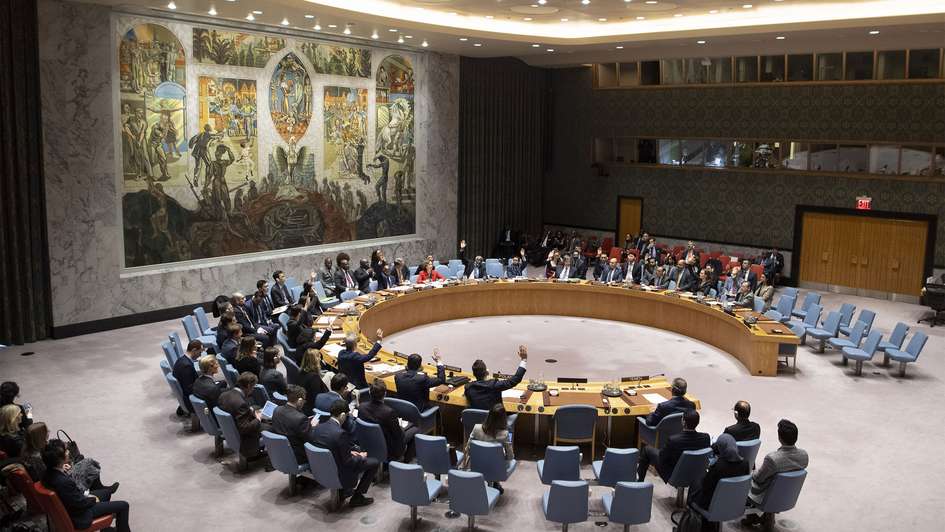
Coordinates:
(429, 274)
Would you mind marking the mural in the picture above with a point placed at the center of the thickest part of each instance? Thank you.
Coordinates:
(228, 183)
(394, 148)
(228, 106)
(290, 98)
(237, 49)
(338, 60)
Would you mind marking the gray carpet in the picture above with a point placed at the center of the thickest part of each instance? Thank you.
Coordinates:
(872, 439)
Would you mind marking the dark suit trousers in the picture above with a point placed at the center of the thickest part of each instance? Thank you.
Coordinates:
(649, 455)
(106, 507)
(368, 469)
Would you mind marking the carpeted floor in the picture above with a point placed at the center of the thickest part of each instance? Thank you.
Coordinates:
(873, 440)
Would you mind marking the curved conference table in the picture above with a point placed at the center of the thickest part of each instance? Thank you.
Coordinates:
(756, 346)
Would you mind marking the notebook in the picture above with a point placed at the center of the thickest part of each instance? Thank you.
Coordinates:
(268, 409)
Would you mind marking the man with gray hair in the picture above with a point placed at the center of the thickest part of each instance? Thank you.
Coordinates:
(678, 403)
(351, 362)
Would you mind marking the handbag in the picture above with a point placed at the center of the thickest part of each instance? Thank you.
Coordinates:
(686, 521)
(71, 445)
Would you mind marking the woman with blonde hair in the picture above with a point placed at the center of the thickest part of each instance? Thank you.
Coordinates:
(310, 377)
(36, 437)
(11, 434)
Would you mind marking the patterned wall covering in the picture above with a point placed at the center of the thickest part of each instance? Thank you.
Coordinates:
(734, 206)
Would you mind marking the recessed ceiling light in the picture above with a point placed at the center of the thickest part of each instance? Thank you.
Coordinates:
(536, 46)
(212, 12)
(780, 37)
(585, 2)
(552, 49)
(651, 2)
(424, 43)
(564, 20)
(464, 39)
(700, 42)
(400, 39)
(713, 11)
(874, 32)
(542, 2)
(620, 47)
(477, 44)
(641, 18)
(309, 16)
(374, 34)
(285, 21)
(747, 6)
(678, 15)
(392, 30)
(408, 36)
(527, 19)
(172, 5)
(602, 19)
(250, 17)
(317, 27)
(489, 17)
(347, 30)
(257, 12)
(332, 26)
(452, 13)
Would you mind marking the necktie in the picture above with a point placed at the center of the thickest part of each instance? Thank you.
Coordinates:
(259, 314)
(348, 282)
(610, 276)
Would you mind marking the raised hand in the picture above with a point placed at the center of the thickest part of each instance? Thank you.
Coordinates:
(379, 334)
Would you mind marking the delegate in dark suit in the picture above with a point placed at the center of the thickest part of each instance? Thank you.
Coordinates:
(478, 271)
(386, 417)
(344, 281)
(386, 280)
(329, 435)
(611, 275)
(209, 390)
(229, 348)
(362, 276)
(186, 375)
(744, 430)
(351, 363)
(234, 403)
(483, 394)
(566, 272)
(414, 386)
(674, 405)
(667, 457)
(83, 509)
(306, 341)
(295, 426)
(280, 295)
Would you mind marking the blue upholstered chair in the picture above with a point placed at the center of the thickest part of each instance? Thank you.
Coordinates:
(748, 450)
(325, 471)
(895, 340)
(672, 285)
(282, 458)
(371, 438)
(494, 269)
(471, 417)
(864, 353)
(469, 495)
(782, 311)
(295, 291)
(425, 421)
(789, 351)
(231, 435)
(866, 316)
(629, 504)
(413, 278)
(284, 321)
(176, 390)
(193, 333)
(456, 267)
(165, 367)
(781, 495)
(203, 323)
(284, 343)
(488, 458)
(323, 298)
(208, 423)
(444, 271)
(279, 399)
(846, 313)
(292, 370)
(349, 294)
(856, 336)
(911, 353)
(493, 261)
(176, 343)
(169, 353)
(811, 318)
(433, 454)
(655, 436)
(618, 465)
(689, 471)
(408, 487)
(812, 298)
(827, 330)
(728, 500)
(230, 374)
(560, 463)
(566, 502)
(757, 304)
(713, 293)
(576, 424)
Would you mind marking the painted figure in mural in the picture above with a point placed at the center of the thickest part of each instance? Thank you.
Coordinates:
(220, 193)
(399, 186)
(200, 150)
(135, 129)
(360, 149)
(390, 135)
(362, 202)
(380, 187)
(252, 193)
(238, 200)
(156, 153)
(159, 217)
(348, 202)
(246, 158)
(167, 124)
(292, 159)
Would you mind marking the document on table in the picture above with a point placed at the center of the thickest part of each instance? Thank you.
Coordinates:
(513, 394)
(654, 398)
(333, 349)
(325, 320)
(343, 306)
(385, 368)
(402, 288)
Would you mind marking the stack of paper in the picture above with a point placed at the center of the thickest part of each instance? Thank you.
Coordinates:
(385, 368)
(343, 306)
(654, 398)
(513, 394)
(333, 349)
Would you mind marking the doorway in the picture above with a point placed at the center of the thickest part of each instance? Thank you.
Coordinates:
(629, 217)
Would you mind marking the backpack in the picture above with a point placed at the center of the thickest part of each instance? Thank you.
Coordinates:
(686, 521)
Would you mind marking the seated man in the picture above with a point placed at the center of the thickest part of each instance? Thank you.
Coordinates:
(280, 294)
(205, 387)
(678, 403)
(484, 394)
(386, 278)
(565, 270)
(234, 402)
(611, 273)
(745, 297)
(338, 391)
(82, 508)
(667, 457)
(186, 374)
(351, 462)
(659, 279)
(515, 268)
(295, 326)
(344, 279)
(351, 362)
(788, 457)
(289, 421)
(731, 286)
(475, 269)
(231, 346)
(414, 385)
(397, 436)
(744, 429)
(400, 271)
(748, 275)
(327, 277)
(247, 321)
(363, 275)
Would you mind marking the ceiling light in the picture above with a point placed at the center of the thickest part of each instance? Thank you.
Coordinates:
(700, 42)
(332, 26)
(347, 30)
(317, 27)
(585, 2)
(408, 36)
(400, 39)
(780, 37)
(374, 34)
(678, 15)
(620, 47)
(285, 22)
(309, 16)
(641, 18)
(564, 20)
(424, 43)
(257, 12)
(212, 12)
(550, 50)
(527, 19)
(452, 13)
(747, 6)
(602, 19)
(392, 30)
(536, 46)
(490, 17)
(464, 39)
(874, 32)
(172, 5)
(651, 2)
(250, 17)
(713, 11)
(542, 2)
(477, 44)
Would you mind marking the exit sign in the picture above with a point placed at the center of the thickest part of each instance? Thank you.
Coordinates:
(864, 203)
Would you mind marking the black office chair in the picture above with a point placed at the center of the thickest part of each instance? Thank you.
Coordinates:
(935, 299)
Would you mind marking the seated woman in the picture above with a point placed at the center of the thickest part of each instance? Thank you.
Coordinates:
(82, 508)
(493, 429)
(705, 283)
(310, 378)
(308, 299)
(9, 391)
(764, 290)
(36, 437)
(270, 377)
(729, 464)
(11, 432)
(429, 274)
(84, 471)
(246, 356)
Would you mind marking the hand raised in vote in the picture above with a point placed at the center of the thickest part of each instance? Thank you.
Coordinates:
(462, 244)
(436, 354)
(379, 334)
(311, 275)
(522, 352)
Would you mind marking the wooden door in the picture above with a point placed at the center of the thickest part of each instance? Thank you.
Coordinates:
(629, 214)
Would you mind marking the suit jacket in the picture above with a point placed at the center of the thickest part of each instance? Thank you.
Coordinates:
(77, 504)
(572, 272)
(773, 264)
(786, 458)
(484, 394)
(686, 280)
(304, 346)
(341, 281)
(328, 281)
(744, 430)
(606, 277)
(363, 278)
(676, 404)
(292, 331)
(260, 314)
(717, 471)
(248, 363)
(280, 295)
(351, 363)
(633, 272)
(233, 402)
(228, 350)
(765, 292)
(746, 300)
(687, 440)
(414, 386)
(329, 435)
(401, 274)
(659, 282)
(748, 276)
(386, 417)
(480, 271)
(514, 271)
(386, 280)
(186, 375)
(273, 380)
(246, 320)
(314, 385)
(209, 390)
(295, 426)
